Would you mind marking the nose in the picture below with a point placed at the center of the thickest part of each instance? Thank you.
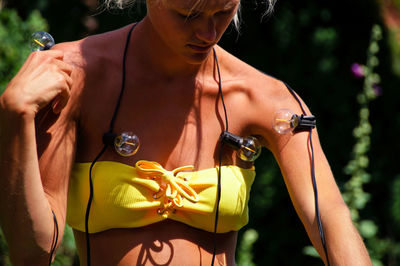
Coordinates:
(206, 31)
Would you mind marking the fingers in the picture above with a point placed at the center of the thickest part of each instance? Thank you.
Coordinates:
(60, 101)
(55, 59)
(64, 83)
(37, 57)
(63, 70)
(58, 54)
(51, 57)
(65, 67)
(48, 80)
(43, 79)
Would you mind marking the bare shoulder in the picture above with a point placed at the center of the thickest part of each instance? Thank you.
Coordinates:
(262, 96)
(93, 58)
(88, 53)
(260, 87)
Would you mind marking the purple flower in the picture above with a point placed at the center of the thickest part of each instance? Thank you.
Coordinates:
(357, 70)
(377, 89)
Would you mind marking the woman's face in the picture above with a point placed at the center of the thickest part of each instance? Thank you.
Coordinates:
(191, 27)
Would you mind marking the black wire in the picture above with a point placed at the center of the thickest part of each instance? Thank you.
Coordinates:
(218, 201)
(314, 182)
(220, 89)
(55, 239)
(319, 221)
(297, 98)
(220, 159)
(123, 78)
(105, 145)
(90, 203)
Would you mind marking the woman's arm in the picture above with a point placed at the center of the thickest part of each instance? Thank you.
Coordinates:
(33, 181)
(293, 154)
(344, 245)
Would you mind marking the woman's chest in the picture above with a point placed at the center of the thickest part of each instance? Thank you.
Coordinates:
(176, 124)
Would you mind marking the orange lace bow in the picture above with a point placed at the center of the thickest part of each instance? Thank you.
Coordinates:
(173, 187)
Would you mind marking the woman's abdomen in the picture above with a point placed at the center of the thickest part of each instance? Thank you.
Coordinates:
(164, 243)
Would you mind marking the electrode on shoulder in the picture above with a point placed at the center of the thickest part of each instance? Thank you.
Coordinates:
(286, 121)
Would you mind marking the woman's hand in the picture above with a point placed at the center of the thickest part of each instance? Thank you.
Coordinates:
(43, 79)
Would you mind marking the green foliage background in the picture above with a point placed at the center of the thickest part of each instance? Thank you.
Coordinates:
(14, 33)
(311, 45)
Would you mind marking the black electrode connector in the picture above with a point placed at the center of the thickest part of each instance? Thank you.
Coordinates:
(233, 141)
(304, 122)
(108, 138)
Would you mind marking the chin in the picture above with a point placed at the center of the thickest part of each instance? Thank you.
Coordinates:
(197, 58)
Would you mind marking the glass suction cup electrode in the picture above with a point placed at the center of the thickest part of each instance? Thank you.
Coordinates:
(250, 149)
(247, 149)
(286, 121)
(126, 144)
(41, 40)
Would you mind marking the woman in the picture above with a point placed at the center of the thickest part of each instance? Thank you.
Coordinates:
(58, 107)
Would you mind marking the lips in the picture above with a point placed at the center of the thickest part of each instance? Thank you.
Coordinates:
(199, 48)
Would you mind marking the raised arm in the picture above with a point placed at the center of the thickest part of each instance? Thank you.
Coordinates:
(293, 154)
(35, 159)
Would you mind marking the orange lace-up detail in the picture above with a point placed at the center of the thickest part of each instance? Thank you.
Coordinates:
(172, 187)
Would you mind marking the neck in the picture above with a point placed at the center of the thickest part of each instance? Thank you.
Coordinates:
(156, 56)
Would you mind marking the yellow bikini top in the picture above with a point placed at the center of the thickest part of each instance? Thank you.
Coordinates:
(126, 196)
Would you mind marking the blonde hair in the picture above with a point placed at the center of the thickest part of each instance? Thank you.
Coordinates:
(111, 4)
(120, 4)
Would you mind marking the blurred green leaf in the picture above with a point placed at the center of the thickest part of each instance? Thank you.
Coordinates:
(14, 46)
